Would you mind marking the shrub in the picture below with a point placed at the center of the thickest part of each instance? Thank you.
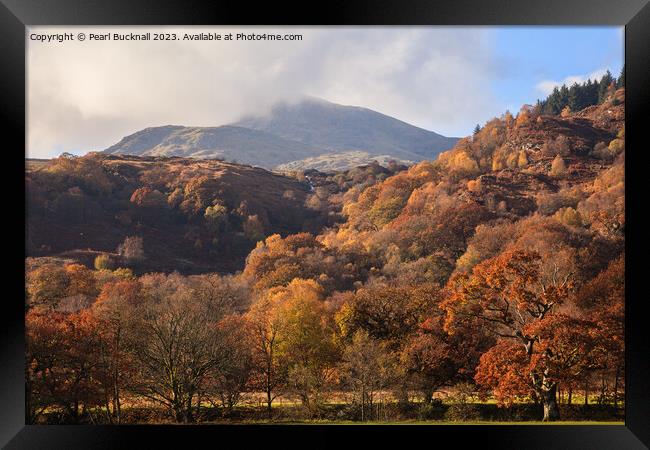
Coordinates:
(434, 410)
(462, 409)
(350, 411)
(103, 262)
(132, 248)
(616, 146)
(558, 168)
(523, 159)
(601, 151)
(463, 412)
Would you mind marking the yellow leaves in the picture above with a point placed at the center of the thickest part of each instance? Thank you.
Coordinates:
(522, 161)
(617, 146)
(522, 118)
(498, 164)
(569, 216)
(385, 211)
(558, 167)
(81, 279)
(621, 133)
(500, 158)
(461, 162)
(215, 213)
(512, 160)
(468, 259)
(509, 119)
(103, 262)
(299, 290)
(426, 171)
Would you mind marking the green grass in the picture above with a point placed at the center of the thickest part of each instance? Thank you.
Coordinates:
(426, 422)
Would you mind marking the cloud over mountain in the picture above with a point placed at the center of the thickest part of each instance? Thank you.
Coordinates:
(86, 95)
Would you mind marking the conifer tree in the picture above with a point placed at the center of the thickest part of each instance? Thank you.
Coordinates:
(621, 78)
(603, 86)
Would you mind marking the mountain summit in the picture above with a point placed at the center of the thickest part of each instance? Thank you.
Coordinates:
(290, 133)
(338, 128)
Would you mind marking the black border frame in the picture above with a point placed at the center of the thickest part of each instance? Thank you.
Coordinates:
(15, 15)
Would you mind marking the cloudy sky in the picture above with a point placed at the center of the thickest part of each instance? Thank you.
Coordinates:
(85, 96)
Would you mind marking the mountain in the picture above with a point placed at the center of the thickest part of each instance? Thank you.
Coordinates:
(290, 133)
(227, 142)
(339, 128)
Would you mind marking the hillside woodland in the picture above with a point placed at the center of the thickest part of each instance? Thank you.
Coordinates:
(487, 284)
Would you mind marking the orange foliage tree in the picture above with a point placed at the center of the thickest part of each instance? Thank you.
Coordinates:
(510, 297)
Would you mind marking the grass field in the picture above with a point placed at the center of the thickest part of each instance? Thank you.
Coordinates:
(339, 410)
(436, 422)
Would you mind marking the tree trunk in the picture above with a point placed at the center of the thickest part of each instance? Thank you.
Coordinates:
(178, 413)
(188, 416)
(616, 389)
(269, 375)
(570, 394)
(117, 406)
(549, 402)
(30, 416)
(428, 395)
(269, 401)
(363, 401)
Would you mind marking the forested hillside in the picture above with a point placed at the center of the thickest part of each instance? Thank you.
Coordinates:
(487, 284)
(191, 215)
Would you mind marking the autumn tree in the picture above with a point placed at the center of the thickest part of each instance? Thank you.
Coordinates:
(224, 385)
(510, 295)
(366, 368)
(307, 342)
(82, 288)
(221, 295)
(114, 309)
(146, 197)
(61, 364)
(253, 228)
(132, 249)
(70, 287)
(523, 118)
(103, 262)
(270, 365)
(198, 194)
(558, 167)
(432, 358)
(46, 285)
(176, 345)
(215, 216)
(603, 300)
(387, 313)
